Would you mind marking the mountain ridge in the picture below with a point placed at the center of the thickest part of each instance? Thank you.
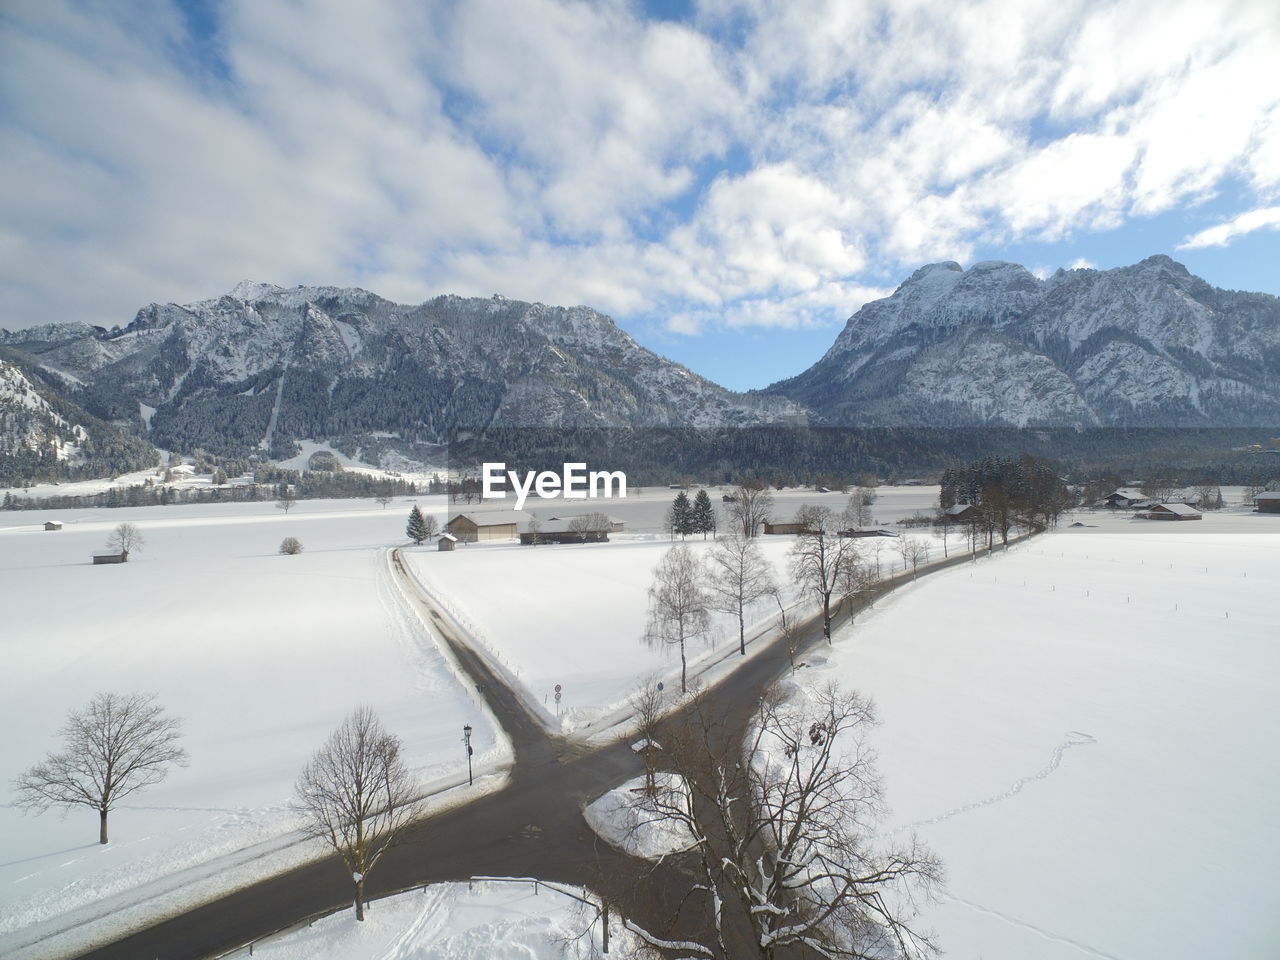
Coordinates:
(262, 367)
(1148, 344)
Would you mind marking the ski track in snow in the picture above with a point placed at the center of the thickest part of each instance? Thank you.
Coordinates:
(1014, 921)
(427, 923)
(1074, 739)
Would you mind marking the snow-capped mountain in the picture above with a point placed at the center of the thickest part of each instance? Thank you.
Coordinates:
(1147, 344)
(263, 366)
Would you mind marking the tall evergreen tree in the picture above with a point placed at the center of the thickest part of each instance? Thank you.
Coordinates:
(417, 528)
(704, 515)
(680, 516)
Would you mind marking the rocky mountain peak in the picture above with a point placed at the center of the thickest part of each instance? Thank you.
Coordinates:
(1144, 344)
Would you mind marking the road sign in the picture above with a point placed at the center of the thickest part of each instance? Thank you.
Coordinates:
(557, 696)
(557, 688)
(659, 686)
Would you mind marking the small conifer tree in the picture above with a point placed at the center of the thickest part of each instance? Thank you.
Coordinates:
(417, 528)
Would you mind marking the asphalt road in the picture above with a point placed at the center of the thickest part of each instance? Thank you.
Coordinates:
(533, 827)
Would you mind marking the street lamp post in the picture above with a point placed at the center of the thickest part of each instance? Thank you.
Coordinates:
(466, 738)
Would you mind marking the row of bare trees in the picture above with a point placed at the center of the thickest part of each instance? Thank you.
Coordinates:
(824, 564)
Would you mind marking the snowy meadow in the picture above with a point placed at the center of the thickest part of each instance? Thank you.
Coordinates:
(1083, 730)
(260, 654)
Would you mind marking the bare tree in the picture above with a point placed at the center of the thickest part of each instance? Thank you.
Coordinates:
(750, 506)
(859, 509)
(856, 577)
(1159, 489)
(291, 546)
(591, 525)
(784, 829)
(431, 524)
(819, 557)
(914, 552)
(385, 499)
(740, 576)
(648, 704)
(115, 746)
(357, 794)
(1208, 496)
(124, 539)
(679, 609)
(286, 499)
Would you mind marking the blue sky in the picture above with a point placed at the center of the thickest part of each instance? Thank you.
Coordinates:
(730, 180)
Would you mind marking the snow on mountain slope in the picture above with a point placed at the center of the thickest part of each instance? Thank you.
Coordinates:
(1144, 344)
(266, 364)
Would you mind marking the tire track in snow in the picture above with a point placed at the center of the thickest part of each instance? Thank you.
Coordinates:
(1074, 739)
(412, 638)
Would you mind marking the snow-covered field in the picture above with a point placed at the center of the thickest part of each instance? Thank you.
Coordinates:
(262, 655)
(1085, 730)
(571, 614)
(575, 614)
(457, 921)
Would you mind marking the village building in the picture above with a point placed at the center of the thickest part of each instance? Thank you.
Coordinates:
(860, 532)
(558, 531)
(112, 557)
(446, 542)
(784, 529)
(1126, 498)
(1268, 502)
(616, 524)
(1172, 511)
(487, 525)
(53, 524)
(960, 513)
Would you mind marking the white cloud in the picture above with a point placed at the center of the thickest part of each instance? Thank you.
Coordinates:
(1222, 234)
(765, 165)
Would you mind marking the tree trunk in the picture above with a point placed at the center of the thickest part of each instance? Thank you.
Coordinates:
(683, 686)
(742, 633)
(102, 826)
(360, 899)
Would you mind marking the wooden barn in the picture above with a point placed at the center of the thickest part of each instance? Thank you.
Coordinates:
(53, 524)
(559, 531)
(487, 525)
(446, 542)
(109, 557)
(858, 533)
(1173, 511)
(1268, 502)
(784, 529)
(961, 513)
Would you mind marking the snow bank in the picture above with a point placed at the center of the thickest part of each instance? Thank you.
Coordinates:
(626, 818)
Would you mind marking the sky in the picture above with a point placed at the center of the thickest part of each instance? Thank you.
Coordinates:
(730, 179)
